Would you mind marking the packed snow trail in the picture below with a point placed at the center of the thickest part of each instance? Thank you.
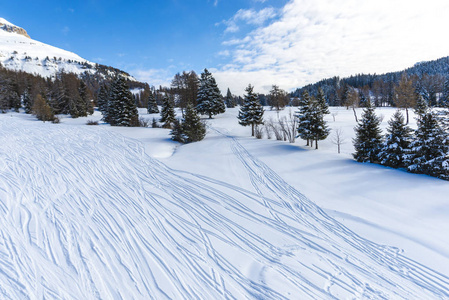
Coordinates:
(86, 214)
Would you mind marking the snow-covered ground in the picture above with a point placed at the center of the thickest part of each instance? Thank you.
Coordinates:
(125, 213)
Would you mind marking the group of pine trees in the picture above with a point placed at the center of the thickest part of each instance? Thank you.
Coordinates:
(424, 150)
(64, 94)
(194, 96)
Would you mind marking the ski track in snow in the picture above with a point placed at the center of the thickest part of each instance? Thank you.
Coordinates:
(86, 214)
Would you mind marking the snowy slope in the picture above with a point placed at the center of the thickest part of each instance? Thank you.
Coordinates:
(21, 53)
(86, 213)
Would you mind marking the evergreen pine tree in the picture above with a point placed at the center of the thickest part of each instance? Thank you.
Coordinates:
(421, 107)
(85, 105)
(152, 104)
(318, 128)
(368, 139)
(230, 103)
(321, 100)
(27, 103)
(363, 99)
(102, 101)
(429, 152)
(444, 100)
(194, 129)
(397, 142)
(56, 97)
(82, 103)
(251, 112)
(15, 101)
(167, 113)
(209, 99)
(122, 110)
(305, 116)
(177, 132)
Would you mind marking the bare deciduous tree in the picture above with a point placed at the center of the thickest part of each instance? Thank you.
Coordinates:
(337, 138)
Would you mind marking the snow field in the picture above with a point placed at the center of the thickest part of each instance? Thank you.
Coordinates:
(99, 212)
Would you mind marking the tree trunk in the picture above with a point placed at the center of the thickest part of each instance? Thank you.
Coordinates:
(355, 114)
(316, 144)
(252, 129)
(406, 112)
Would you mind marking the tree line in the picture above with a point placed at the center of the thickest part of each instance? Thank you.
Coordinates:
(427, 78)
(423, 151)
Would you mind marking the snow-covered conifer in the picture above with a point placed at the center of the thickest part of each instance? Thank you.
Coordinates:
(230, 103)
(27, 103)
(122, 110)
(102, 101)
(421, 107)
(193, 128)
(321, 100)
(168, 115)
(304, 116)
(251, 112)
(209, 99)
(368, 139)
(429, 152)
(152, 104)
(397, 142)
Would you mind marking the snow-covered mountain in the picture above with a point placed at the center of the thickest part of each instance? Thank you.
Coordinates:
(19, 52)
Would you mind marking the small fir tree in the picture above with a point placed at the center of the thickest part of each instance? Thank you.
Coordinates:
(152, 104)
(27, 103)
(103, 100)
(444, 100)
(397, 142)
(363, 99)
(305, 117)
(193, 128)
(230, 103)
(85, 106)
(318, 127)
(321, 100)
(209, 99)
(421, 107)
(429, 152)
(368, 139)
(168, 115)
(251, 112)
(177, 133)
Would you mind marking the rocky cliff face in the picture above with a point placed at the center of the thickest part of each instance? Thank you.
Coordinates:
(6, 26)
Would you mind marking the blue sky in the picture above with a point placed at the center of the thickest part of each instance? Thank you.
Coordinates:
(263, 42)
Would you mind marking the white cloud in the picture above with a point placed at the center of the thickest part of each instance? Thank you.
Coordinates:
(317, 39)
(249, 16)
(224, 53)
(155, 77)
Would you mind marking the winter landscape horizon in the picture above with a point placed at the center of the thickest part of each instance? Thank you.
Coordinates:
(245, 178)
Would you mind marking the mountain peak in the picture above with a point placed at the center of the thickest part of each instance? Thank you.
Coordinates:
(9, 27)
